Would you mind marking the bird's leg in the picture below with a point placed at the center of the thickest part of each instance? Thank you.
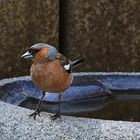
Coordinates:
(58, 114)
(37, 110)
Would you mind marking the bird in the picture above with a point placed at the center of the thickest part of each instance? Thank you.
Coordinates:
(51, 72)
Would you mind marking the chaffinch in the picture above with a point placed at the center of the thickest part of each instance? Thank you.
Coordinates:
(50, 71)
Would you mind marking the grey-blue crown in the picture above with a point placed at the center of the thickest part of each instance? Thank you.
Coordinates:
(53, 53)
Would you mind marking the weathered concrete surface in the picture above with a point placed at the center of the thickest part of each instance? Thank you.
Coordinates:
(105, 32)
(22, 24)
(16, 124)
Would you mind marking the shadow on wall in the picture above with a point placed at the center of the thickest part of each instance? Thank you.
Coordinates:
(106, 33)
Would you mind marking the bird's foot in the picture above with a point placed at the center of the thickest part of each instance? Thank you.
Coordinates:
(35, 113)
(54, 117)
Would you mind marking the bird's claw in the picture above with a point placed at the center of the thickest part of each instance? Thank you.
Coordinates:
(54, 117)
(34, 114)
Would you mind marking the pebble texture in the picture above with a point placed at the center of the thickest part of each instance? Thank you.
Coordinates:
(105, 32)
(22, 24)
(15, 123)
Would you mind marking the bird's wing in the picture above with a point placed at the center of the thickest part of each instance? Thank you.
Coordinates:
(65, 63)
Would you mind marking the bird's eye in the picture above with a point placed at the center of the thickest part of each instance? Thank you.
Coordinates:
(33, 51)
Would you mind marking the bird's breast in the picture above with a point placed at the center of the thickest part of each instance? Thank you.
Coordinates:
(50, 76)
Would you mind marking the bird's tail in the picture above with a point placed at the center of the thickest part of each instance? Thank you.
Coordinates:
(76, 62)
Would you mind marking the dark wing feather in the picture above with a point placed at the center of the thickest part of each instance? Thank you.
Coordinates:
(65, 63)
(76, 62)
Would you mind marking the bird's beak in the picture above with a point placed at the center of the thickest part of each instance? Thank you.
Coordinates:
(27, 55)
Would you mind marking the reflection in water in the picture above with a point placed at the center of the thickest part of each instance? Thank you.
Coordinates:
(100, 108)
(84, 98)
(70, 107)
(116, 110)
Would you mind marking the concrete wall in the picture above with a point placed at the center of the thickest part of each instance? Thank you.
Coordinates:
(105, 32)
(23, 23)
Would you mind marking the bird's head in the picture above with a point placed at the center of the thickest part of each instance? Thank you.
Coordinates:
(41, 50)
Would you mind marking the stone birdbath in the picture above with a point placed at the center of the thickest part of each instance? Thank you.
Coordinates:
(89, 112)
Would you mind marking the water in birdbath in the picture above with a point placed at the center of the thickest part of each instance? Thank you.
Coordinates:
(85, 98)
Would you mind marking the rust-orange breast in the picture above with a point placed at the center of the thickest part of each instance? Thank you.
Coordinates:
(50, 76)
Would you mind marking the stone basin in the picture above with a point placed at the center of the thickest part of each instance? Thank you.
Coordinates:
(85, 98)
